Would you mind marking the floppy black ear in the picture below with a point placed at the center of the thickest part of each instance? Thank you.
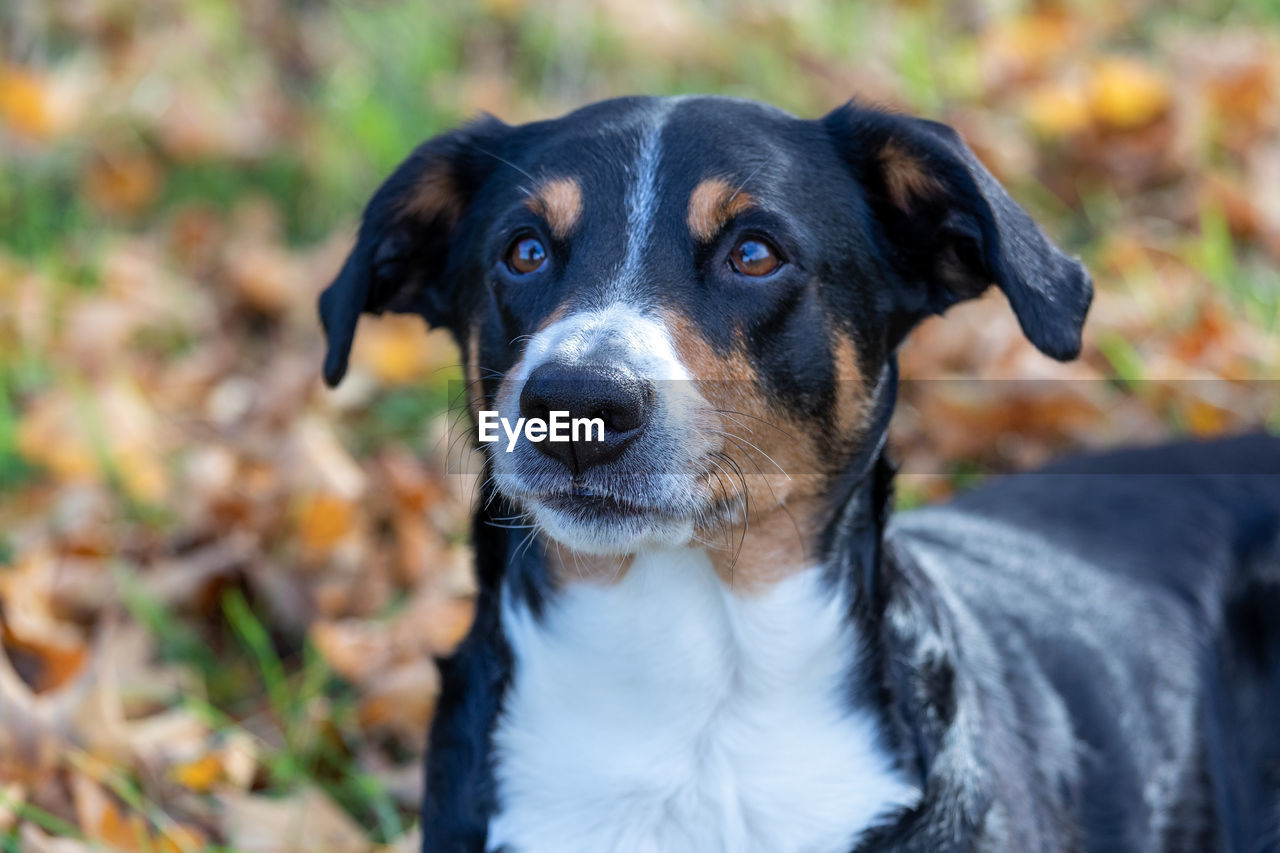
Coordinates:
(953, 231)
(401, 258)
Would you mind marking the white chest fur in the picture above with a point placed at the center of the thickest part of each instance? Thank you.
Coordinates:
(667, 714)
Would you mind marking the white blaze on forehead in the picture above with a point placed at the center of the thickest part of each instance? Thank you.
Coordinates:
(642, 194)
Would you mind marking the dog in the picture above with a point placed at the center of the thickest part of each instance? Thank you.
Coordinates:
(702, 630)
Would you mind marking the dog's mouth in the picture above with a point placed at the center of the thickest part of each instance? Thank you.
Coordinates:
(603, 522)
(596, 507)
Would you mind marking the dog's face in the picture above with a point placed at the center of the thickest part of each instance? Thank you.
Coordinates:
(721, 284)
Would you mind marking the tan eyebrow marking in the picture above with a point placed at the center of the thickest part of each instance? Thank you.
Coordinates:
(905, 177)
(713, 203)
(559, 202)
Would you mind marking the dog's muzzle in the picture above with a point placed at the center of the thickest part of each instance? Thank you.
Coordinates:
(635, 479)
(608, 393)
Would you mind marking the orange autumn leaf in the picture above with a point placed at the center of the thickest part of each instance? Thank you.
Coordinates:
(199, 775)
(113, 433)
(123, 832)
(1024, 46)
(1057, 109)
(399, 350)
(392, 349)
(1206, 419)
(48, 651)
(1126, 94)
(102, 820)
(46, 662)
(31, 104)
(122, 182)
(181, 839)
(323, 521)
(49, 436)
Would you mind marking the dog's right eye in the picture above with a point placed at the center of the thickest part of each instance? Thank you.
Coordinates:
(754, 257)
(526, 255)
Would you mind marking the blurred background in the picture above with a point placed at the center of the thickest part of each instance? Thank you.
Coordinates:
(221, 584)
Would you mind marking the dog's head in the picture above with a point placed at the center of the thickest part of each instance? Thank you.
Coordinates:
(720, 283)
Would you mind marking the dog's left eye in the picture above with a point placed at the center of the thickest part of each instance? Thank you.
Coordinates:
(526, 255)
(754, 257)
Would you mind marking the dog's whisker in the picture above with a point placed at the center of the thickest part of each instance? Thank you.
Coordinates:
(740, 440)
(746, 511)
(767, 423)
(735, 420)
(526, 544)
(506, 162)
(754, 172)
(510, 526)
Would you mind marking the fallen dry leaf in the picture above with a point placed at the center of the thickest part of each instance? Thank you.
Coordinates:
(36, 840)
(36, 104)
(199, 775)
(398, 350)
(1125, 93)
(324, 520)
(401, 700)
(122, 182)
(305, 822)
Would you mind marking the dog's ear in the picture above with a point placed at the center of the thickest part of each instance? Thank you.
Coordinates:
(401, 258)
(952, 230)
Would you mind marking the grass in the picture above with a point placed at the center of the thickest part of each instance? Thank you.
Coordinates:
(248, 678)
(1253, 288)
(15, 471)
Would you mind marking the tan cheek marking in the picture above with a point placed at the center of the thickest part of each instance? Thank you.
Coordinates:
(775, 534)
(472, 372)
(906, 177)
(852, 405)
(774, 546)
(698, 356)
(713, 203)
(435, 196)
(559, 202)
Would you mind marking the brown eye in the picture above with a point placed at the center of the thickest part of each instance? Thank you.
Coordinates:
(754, 258)
(526, 255)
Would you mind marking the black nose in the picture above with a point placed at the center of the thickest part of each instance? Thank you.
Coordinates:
(610, 392)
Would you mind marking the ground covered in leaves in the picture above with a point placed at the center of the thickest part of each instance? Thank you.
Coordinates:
(221, 586)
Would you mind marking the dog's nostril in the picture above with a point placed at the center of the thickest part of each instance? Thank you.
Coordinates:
(622, 419)
(608, 392)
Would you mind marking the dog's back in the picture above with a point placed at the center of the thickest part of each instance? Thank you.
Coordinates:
(1142, 578)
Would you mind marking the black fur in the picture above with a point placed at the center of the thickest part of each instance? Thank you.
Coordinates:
(1083, 658)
